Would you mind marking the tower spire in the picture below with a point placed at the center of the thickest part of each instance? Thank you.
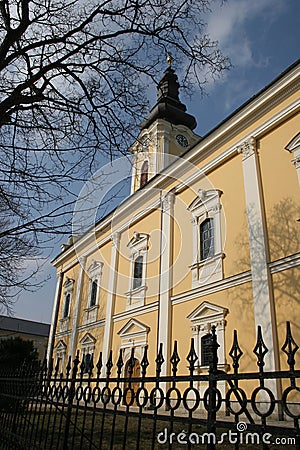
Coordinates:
(168, 106)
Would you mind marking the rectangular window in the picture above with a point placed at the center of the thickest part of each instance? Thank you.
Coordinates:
(94, 290)
(138, 272)
(67, 305)
(207, 239)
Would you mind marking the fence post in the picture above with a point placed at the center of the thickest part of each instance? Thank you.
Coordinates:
(70, 401)
(212, 390)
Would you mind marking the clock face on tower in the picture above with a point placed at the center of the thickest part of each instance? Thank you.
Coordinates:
(182, 140)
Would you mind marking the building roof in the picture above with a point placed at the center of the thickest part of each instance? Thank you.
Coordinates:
(13, 324)
(190, 150)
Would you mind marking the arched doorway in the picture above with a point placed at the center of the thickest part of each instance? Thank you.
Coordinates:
(136, 373)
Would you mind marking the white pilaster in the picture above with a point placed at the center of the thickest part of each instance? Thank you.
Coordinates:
(264, 310)
(111, 295)
(55, 311)
(166, 279)
(73, 338)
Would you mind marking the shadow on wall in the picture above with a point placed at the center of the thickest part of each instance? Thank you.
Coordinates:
(284, 240)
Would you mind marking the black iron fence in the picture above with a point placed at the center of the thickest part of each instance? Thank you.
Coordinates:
(41, 408)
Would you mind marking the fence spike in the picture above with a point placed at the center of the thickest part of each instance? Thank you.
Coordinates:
(260, 349)
(56, 370)
(99, 365)
(290, 347)
(235, 352)
(145, 362)
(159, 360)
(82, 365)
(192, 357)
(68, 368)
(175, 359)
(131, 363)
(91, 366)
(120, 363)
(109, 365)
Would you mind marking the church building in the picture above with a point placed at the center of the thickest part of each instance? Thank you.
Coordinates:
(209, 236)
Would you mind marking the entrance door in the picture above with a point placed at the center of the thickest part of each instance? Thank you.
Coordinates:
(135, 374)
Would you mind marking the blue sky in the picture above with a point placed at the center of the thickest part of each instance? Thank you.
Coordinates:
(261, 37)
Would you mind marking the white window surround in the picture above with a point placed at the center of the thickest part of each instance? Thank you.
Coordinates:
(133, 334)
(207, 205)
(94, 272)
(138, 245)
(68, 288)
(87, 344)
(203, 318)
(294, 146)
(60, 351)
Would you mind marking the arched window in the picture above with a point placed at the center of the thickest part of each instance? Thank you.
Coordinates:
(207, 239)
(67, 305)
(94, 290)
(138, 272)
(144, 173)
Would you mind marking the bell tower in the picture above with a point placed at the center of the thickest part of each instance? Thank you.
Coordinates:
(167, 130)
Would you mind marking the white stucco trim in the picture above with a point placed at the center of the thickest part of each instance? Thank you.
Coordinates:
(74, 332)
(166, 278)
(55, 312)
(264, 308)
(111, 295)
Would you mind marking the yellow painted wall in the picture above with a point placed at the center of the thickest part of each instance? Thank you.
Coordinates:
(281, 190)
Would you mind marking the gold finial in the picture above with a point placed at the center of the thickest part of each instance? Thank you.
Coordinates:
(170, 59)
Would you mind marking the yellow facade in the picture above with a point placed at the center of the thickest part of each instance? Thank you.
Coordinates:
(235, 191)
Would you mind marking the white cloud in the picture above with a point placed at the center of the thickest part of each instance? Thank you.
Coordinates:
(230, 24)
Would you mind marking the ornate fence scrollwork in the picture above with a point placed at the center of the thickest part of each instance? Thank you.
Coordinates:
(132, 403)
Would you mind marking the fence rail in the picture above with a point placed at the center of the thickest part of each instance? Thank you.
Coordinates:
(41, 408)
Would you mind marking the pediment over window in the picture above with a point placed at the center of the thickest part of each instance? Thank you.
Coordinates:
(95, 266)
(61, 346)
(207, 312)
(133, 333)
(133, 327)
(138, 240)
(87, 340)
(294, 143)
(204, 198)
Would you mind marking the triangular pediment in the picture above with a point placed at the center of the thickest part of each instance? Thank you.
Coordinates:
(61, 346)
(88, 339)
(133, 327)
(294, 143)
(207, 311)
(204, 197)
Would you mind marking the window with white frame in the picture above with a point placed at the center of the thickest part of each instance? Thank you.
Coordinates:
(87, 349)
(94, 272)
(60, 351)
(138, 246)
(294, 148)
(203, 318)
(207, 218)
(68, 288)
